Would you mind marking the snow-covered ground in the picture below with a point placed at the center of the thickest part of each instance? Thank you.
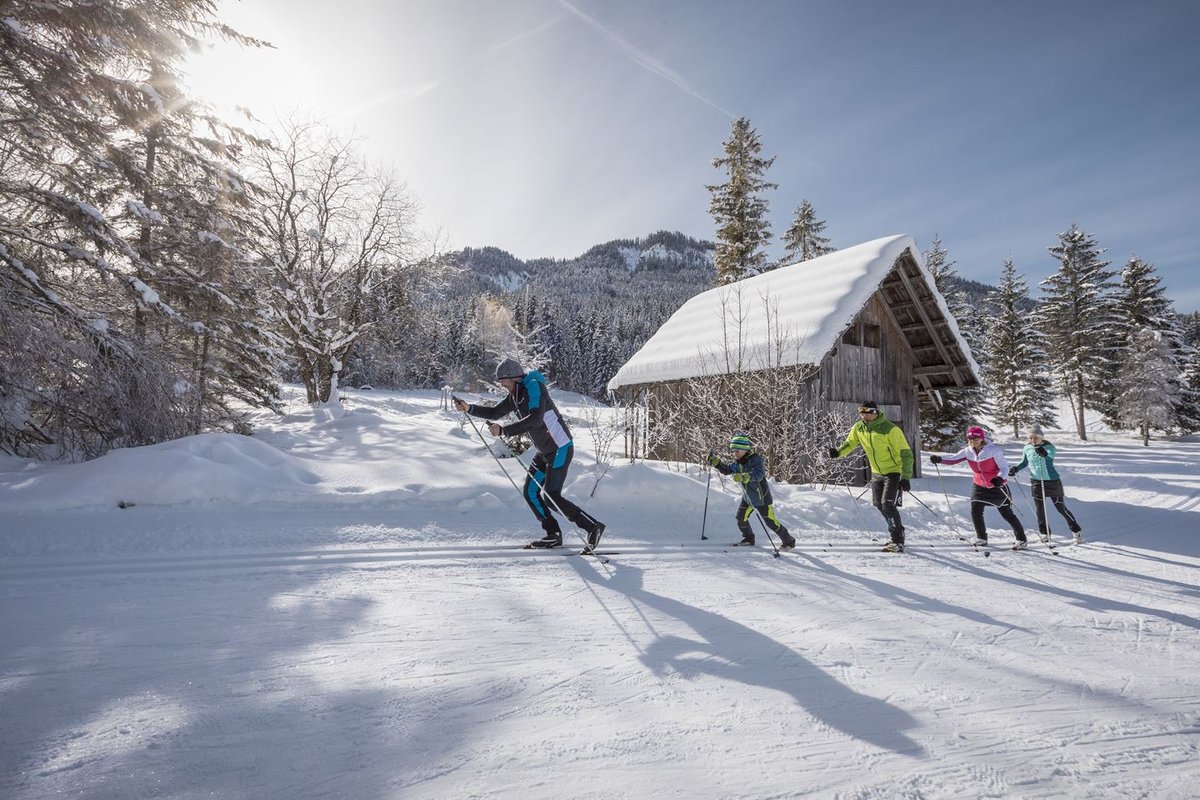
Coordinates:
(330, 610)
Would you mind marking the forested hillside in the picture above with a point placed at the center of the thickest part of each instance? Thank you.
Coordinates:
(576, 319)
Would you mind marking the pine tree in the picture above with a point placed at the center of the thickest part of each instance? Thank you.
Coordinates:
(947, 414)
(803, 241)
(738, 208)
(1080, 323)
(1149, 385)
(110, 179)
(1017, 374)
(1142, 304)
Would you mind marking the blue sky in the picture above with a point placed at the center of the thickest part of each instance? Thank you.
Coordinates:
(546, 126)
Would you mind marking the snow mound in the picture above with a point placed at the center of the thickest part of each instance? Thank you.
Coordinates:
(210, 467)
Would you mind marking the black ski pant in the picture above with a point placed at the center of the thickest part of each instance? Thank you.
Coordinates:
(1001, 498)
(1053, 490)
(544, 482)
(885, 495)
(745, 511)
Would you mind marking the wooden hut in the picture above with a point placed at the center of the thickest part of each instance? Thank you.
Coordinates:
(866, 322)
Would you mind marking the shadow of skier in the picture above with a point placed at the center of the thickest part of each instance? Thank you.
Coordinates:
(733, 652)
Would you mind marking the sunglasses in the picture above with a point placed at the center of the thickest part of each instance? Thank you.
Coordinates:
(868, 411)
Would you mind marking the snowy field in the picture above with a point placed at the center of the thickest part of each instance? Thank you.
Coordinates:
(331, 609)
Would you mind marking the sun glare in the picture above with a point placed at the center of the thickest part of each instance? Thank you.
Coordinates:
(227, 76)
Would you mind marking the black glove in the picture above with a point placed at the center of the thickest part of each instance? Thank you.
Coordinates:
(935, 459)
(997, 481)
(833, 452)
(712, 458)
(1041, 451)
(1012, 471)
(905, 486)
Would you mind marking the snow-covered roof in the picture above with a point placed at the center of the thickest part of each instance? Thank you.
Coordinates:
(811, 302)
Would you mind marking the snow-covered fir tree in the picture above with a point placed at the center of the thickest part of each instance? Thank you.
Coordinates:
(116, 192)
(1190, 325)
(1017, 372)
(947, 413)
(803, 241)
(403, 301)
(1081, 324)
(1148, 387)
(1142, 304)
(738, 206)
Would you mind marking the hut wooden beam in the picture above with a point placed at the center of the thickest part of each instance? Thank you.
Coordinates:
(937, 340)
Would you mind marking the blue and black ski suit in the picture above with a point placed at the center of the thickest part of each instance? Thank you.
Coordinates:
(538, 417)
(755, 492)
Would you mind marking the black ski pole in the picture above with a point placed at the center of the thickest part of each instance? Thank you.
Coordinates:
(1045, 511)
(862, 521)
(766, 530)
(541, 489)
(953, 521)
(489, 449)
(707, 484)
(1043, 537)
(914, 497)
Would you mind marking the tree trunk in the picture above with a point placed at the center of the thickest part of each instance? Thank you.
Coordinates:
(1079, 422)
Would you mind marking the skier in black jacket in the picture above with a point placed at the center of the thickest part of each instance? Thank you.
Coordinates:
(537, 416)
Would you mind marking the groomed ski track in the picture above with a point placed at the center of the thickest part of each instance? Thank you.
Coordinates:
(702, 670)
(399, 645)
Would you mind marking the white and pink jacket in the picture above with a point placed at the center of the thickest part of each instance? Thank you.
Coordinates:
(985, 465)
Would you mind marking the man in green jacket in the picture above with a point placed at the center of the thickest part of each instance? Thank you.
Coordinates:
(891, 461)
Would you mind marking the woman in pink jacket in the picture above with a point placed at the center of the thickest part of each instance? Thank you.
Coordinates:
(988, 467)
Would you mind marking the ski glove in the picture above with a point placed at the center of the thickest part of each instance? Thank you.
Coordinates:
(741, 477)
(997, 481)
(935, 459)
(833, 452)
(905, 486)
(712, 459)
(1012, 471)
(1041, 451)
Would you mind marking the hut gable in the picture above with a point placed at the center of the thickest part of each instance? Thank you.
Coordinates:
(818, 304)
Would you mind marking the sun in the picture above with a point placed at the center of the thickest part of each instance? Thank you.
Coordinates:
(227, 76)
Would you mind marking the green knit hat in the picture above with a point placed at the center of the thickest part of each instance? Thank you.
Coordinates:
(741, 442)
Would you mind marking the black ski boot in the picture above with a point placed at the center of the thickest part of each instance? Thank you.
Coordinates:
(593, 540)
(546, 542)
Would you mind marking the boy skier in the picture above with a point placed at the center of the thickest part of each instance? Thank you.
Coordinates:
(750, 473)
(891, 461)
